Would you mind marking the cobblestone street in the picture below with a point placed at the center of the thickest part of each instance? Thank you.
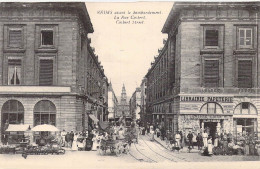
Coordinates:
(146, 152)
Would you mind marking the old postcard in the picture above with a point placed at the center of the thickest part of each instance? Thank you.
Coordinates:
(129, 84)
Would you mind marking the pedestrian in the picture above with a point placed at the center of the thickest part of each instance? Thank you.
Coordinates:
(63, 134)
(205, 138)
(190, 137)
(229, 137)
(251, 145)
(67, 140)
(182, 139)
(216, 139)
(152, 133)
(210, 146)
(74, 142)
(199, 141)
(178, 139)
(225, 145)
(71, 138)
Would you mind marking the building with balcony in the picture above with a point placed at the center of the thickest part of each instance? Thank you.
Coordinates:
(49, 72)
(212, 69)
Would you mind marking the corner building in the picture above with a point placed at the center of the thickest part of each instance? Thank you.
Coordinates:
(213, 52)
(48, 74)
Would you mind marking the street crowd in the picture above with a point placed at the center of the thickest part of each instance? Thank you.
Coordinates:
(217, 144)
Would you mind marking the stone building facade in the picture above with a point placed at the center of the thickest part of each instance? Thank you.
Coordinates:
(112, 103)
(135, 104)
(143, 114)
(212, 49)
(49, 72)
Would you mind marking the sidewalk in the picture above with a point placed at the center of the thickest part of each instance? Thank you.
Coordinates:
(184, 150)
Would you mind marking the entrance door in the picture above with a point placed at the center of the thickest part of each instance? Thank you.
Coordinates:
(211, 128)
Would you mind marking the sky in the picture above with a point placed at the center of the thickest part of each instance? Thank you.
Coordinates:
(127, 50)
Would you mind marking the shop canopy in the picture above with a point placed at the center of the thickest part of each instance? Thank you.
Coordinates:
(93, 118)
(45, 127)
(18, 127)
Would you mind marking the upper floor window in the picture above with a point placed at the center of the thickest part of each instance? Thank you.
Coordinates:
(245, 37)
(47, 37)
(211, 37)
(244, 75)
(14, 37)
(14, 71)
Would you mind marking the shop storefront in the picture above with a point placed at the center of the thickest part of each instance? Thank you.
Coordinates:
(245, 120)
(205, 113)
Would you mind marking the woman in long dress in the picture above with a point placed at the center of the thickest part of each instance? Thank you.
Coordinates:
(95, 141)
(74, 143)
(210, 147)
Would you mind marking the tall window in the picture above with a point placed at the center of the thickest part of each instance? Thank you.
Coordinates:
(211, 37)
(44, 113)
(12, 112)
(46, 72)
(211, 73)
(245, 37)
(244, 78)
(47, 37)
(211, 108)
(14, 71)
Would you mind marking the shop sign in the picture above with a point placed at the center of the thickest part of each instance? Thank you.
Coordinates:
(207, 117)
(206, 99)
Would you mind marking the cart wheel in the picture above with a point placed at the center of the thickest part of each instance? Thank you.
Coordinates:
(118, 150)
(112, 149)
(101, 151)
(127, 148)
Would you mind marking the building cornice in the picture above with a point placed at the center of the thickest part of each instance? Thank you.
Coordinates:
(179, 6)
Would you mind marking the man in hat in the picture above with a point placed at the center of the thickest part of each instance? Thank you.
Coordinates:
(190, 137)
(71, 138)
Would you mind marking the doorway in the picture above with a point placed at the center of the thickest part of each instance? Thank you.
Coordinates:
(211, 128)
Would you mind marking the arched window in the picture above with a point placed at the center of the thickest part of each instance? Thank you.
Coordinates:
(12, 112)
(44, 113)
(211, 108)
(245, 108)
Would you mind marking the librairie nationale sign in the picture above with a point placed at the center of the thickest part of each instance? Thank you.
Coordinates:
(221, 99)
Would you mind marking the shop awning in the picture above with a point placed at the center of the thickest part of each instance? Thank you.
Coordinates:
(18, 127)
(93, 118)
(45, 127)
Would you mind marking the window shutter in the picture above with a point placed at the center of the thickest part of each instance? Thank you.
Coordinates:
(211, 73)
(244, 74)
(15, 38)
(46, 72)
